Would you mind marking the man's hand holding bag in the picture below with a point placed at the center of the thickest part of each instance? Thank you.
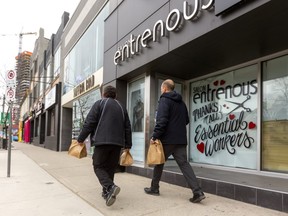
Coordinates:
(77, 150)
(155, 154)
(126, 158)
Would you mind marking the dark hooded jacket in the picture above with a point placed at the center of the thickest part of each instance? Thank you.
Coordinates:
(107, 123)
(171, 119)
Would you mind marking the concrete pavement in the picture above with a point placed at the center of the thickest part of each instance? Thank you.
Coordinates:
(30, 191)
(45, 182)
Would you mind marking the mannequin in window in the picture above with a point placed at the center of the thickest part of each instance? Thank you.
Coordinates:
(138, 114)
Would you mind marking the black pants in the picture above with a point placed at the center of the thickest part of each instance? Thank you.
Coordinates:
(179, 153)
(105, 161)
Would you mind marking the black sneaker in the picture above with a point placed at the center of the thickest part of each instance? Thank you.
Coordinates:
(197, 197)
(105, 195)
(151, 191)
(111, 197)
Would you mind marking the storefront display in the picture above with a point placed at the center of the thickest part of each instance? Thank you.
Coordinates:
(136, 115)
(81, 108)
(223, 116)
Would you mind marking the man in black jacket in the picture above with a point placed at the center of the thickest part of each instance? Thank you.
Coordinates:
(171, 120)
(110, 130)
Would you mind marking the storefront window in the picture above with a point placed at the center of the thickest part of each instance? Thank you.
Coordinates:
(223, 119)
(48, 77)
(136, 115)
(81, 108)
(275, 115)
(86, 57)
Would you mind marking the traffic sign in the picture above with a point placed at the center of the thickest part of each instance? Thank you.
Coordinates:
(10, 78)
(11, 75)
(10, 94)
(5, 118)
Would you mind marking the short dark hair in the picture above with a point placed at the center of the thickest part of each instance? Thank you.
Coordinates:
(109, 92)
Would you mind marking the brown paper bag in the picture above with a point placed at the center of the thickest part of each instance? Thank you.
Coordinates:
(155, 154)
(126, 158)
(77, 150)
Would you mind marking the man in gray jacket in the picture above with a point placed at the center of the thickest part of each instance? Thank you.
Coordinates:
(110, 130)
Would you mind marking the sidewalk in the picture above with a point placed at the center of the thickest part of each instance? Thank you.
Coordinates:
(45, 182)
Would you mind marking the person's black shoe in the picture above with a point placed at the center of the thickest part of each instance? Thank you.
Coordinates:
(104, 195)
(197, 197)
(151, 191)
(111, 197)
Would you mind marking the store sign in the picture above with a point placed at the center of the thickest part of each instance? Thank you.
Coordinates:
(84, 86)
(223, 120)
(172, 23)
(39, 108)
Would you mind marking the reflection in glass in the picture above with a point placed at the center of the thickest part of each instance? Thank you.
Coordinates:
(275, 115)
(86, 57)
(81, 108)
(136, 115)
(138, 111)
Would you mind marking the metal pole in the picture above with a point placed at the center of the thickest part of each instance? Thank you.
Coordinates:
(3, 121)
(10, 141)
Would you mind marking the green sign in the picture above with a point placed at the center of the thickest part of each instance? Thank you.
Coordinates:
(5, 118)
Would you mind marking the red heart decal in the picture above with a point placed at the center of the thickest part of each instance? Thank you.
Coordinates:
(231, 116)
(200, 147)
(251, 125)
(222, 82)
(216, 83)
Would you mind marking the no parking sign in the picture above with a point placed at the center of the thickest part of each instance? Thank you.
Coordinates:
(11, 85)
(11, 75)
(10, 93)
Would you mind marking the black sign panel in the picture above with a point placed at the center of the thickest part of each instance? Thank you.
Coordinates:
(222, 6)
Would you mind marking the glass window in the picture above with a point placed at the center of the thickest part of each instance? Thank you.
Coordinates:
(41, 83)
(35, 93)
(136, 114)
(48, 77)
(81, 108)
(223, 119)
(57, 62)
(275, 115)
(87, 55)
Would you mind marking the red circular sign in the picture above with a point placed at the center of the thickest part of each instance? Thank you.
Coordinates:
(10, 93)
(11, 74)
